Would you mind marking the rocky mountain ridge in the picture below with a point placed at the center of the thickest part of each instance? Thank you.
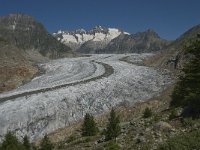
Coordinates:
(186, 37)
(147, 41)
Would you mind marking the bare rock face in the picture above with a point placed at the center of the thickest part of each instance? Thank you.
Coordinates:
(25, 32)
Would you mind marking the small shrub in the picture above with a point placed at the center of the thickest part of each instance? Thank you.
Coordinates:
(61, 145)
(188, 122)
(188, 141)
(78, 141)
(147, 113)
(112, 145)
(34, 147)
(173, 114)
(46, 144)
(156, 118)
(71, 139)
(82, 140)
(88, 139)
(3, 40)
(99, 148)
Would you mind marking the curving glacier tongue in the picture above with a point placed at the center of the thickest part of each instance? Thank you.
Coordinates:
(91, 85)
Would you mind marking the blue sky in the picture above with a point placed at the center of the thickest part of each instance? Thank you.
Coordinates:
(169, 18)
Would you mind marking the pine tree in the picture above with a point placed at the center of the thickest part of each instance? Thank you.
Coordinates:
(89, 126)
(11, 142)
(113, 128)
(187, 91)
(147, 113)
(26, 143)
(46, 144)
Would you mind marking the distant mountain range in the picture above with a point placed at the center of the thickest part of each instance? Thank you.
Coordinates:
(88, 41)
(111, 40)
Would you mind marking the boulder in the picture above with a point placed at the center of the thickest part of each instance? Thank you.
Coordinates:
(162, 126)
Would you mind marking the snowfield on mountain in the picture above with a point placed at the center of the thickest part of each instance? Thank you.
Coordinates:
(99, 34)
(71, 87)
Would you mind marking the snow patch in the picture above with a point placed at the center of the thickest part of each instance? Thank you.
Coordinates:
(126, 33)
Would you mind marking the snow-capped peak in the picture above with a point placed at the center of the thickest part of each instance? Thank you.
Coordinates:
(59, 31)
(127, 33)
(76, 38)
(98, 27)
(81, 31)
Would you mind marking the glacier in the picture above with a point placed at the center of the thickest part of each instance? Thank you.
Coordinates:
(85, 90)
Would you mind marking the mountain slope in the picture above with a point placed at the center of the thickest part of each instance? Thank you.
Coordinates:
(26, 33)
(15, 68)
(185, 37)
(173, 56)
(147, 41)
(23, 43)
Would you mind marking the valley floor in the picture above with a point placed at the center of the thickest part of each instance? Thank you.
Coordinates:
(72, 87)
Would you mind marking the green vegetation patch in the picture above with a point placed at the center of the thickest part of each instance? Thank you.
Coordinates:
(188, 141)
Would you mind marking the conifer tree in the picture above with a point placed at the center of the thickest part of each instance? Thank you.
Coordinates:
(113, 128)
(147, 113)
(46, 144)
(11, 142)
(187, 91)
(26, 143)
(89, 126)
